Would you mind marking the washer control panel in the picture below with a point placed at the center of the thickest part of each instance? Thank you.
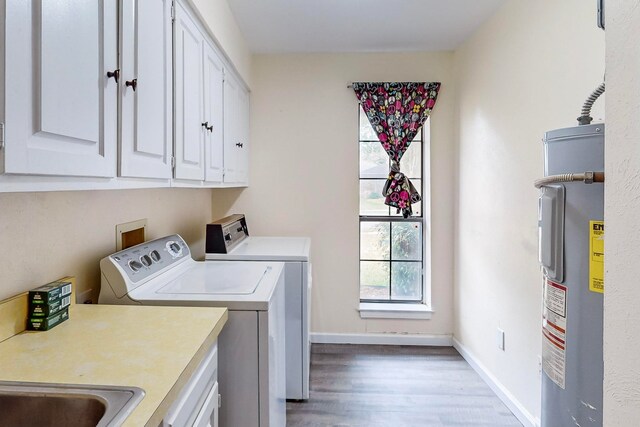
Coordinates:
(143, 260)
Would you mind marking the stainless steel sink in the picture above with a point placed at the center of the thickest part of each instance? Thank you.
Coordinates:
(58, 405)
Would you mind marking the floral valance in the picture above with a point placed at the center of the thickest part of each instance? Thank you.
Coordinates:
(396, 112)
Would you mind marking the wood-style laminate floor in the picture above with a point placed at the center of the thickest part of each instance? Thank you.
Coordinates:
(394, 386)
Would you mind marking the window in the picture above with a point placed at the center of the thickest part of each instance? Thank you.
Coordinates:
(391, 247)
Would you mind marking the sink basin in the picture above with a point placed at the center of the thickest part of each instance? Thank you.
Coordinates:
(58, 405)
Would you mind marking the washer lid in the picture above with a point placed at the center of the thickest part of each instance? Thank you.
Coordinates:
(218, 278)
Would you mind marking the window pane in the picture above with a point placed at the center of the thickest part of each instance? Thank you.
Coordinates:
(371, 200)
(417, 207)
(366, 131)
(374, 240)
(406, 278)
(374, 161)
(406, 241)
(374, 280)
(411, 162)
(391, 251)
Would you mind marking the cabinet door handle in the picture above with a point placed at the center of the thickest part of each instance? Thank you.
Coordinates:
(210, 128)
(239, 144)
(207, 126)
(115, 74)
(133, 83)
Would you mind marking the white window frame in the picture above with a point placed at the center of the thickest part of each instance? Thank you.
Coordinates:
(399, 310)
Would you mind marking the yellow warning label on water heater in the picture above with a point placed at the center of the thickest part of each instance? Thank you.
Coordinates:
(596, 256)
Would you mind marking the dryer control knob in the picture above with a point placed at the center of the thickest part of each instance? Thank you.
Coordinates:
(174, 249)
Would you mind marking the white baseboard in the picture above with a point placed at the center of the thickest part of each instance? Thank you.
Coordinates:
(524, 416)
(382, 339)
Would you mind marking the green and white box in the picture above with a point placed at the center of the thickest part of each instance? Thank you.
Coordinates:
(46, 310)
(46, 323)
(49, 293)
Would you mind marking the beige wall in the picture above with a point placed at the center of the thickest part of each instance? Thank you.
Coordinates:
(622, 204)
(527, 70)
(223, 25)
(56, 234)
(304, 174)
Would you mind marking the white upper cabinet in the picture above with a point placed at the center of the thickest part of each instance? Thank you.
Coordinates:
(242, 164)
(60, 108)
(145, 84)
(236, 131)
(189, 106)
(231, 128)
(213, 113)
(116, 94)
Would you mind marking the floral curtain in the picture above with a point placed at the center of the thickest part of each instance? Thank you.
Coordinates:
(396, 112)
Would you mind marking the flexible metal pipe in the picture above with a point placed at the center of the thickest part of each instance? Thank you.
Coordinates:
(585, 118)
(586, 177)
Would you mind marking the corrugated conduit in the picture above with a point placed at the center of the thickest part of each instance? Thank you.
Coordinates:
(585, 117)
(586, 177)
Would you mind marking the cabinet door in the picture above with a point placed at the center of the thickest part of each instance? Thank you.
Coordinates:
(145, 54)
(213, 106)
(236, 131)
(62, 108)
(231, 127)
(208, 416)
(242, 158)
(189, 115)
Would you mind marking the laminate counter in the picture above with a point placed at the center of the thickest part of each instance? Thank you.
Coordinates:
(154, 348)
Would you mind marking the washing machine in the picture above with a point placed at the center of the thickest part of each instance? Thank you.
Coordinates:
(251, 346)
(228, 239)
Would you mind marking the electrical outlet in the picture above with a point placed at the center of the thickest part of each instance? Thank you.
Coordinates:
(500, 339)
(85, 297)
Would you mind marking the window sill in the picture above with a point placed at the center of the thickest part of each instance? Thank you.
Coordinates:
(394, 311)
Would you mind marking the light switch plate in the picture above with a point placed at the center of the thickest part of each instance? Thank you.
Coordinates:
(539, 365)
(500, 339)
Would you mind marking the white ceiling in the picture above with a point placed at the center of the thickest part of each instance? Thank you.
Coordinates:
(281, 26)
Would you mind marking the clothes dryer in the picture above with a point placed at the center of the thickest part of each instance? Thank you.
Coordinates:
(228, 239)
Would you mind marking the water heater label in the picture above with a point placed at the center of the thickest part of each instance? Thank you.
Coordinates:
(554, 331)
(596, 256)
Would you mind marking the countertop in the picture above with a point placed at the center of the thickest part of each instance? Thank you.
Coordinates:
(154, 348)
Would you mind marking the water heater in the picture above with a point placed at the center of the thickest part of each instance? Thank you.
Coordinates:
(571, 252)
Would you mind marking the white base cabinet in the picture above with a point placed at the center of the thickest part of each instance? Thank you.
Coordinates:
(198, 403)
